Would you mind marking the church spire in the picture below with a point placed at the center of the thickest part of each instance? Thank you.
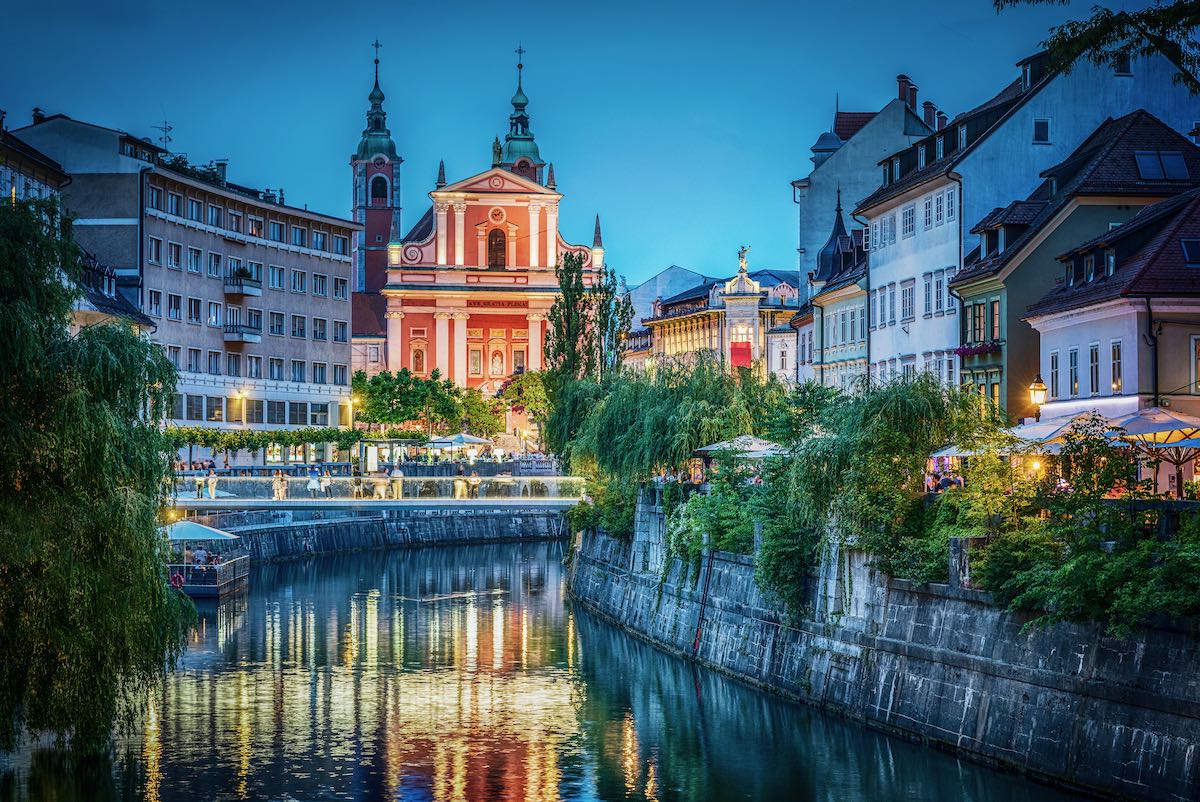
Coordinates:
(441, 179)
(376, 138)
(550, 182)
(520, 153)
(597, 240)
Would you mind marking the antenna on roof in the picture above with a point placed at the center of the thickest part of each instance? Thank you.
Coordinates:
(837, 107)
(165, 137)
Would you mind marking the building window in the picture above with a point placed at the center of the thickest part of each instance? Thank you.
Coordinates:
(1073, 371)
(214, 216)
(891, 303)
(319, 239)
(1160, 164)
(214, 313)
(174, 203)
(978, 323)
(1041, 131)
(1110, 262)
(275, 366)
(193, 310)
(174, 354)
(195, 407)
(320, 284)
(298, 325)
(1094, 368)
(154, 251)
(908, 221)
(907, 312)
(1118, 385)
(254, 370)
(154, 303)
(320, 328)
(951, 205)
(275, 231)
(194, 210)
(298, 413)
(340, 245)
(174, 255)
(373, 353)
(214, 363)
(214, 265)
(319, 414)
(928, 295)
(1089, 267)
(341, 289)
(318, 372)
(299, 280)
(276, 324)
(299, 236)
(195, 260)
(962, 137)
(193, 363)
(939, 147)
(475, 362)
(154, 197)
(928, 209)
(277, 412)
(938, 209)
(497, 247)
(920, 157)
(255, 226)
(379, 191)
(298, 370)
(995, 319)
(233, 364)
(339, 375)
(253, 318)
(235, 222)
(340, 331)
(274, 277)
(253, 409)
(895, 168)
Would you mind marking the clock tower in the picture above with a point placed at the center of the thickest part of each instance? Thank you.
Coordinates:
(376, 168)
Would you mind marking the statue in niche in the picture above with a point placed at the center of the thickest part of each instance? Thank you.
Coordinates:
(497, 363)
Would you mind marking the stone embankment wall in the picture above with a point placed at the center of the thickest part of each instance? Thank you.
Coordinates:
(270, 535)
(1065, 704)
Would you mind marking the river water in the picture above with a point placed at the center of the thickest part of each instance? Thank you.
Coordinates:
(464, 674)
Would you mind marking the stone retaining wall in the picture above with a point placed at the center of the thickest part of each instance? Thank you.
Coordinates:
(944, 665)
(284, 534)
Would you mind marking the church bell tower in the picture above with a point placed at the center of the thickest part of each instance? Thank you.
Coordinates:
(376, 169)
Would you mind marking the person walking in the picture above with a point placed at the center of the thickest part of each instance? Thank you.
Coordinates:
(356, 481)
(278, 486)
(212, 482)
(327, 483)
(314, 481)
(199, 485)
(397, 477)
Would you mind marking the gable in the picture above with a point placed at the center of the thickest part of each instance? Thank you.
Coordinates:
(496, 181)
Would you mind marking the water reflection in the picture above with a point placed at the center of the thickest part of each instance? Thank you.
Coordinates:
(460, 674)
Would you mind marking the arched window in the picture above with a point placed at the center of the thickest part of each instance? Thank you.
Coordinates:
(418, 361)
(497, 248)
(378, 190)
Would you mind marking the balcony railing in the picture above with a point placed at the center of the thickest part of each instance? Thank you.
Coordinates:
(242, 285)
(242, 333)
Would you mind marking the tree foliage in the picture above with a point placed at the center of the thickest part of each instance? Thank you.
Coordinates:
(588, 324)
(1110, 37)
(433, 404)
(87, 621)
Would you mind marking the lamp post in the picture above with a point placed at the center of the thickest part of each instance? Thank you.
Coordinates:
(355, 401)
(1037, 396)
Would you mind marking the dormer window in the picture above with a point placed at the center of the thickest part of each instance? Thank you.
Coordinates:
(939, 148)
(1053, 185)
(1089, 268)
(1026, 76)
(920, 157)
(1110, 262)
(1000, 239)
(962, 137)
(1191, 252)
(895, 168)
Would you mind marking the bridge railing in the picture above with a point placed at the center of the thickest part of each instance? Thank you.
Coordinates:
(430, 488)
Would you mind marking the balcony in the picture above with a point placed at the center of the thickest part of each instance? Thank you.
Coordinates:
(242, 333)
(242, 285)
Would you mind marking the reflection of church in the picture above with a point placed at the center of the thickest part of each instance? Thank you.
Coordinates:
(467, 290)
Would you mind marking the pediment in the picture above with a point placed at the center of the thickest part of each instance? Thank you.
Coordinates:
(495, 181)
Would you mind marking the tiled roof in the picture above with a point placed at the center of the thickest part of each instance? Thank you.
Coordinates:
(766, 278)
(367, 317)
(848, 123)
(1157, 268)
(850, 275)
(1102, 165)
(1003, 102)
(422, 229)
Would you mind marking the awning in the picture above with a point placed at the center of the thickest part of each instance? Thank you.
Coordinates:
(458, 441)
(746, 446)
(192, 530)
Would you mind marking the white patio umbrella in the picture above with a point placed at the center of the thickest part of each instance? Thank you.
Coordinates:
(458, 441)
(1161, 435)
(193, 530)
(746, 446)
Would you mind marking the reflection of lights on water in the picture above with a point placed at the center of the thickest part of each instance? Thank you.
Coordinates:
(152, 752)
(570, 641)
(652, 781)
(371, 633)
(472, 614)
(524, 637)
(629, 754)
(497, 634)
(243, 736)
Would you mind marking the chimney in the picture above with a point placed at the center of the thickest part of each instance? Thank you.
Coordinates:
(221, 166)
(39, 116)
(282, 202)
(912, 96)
(269, 196)
(941, 120)
(902, 84)
(930, 113)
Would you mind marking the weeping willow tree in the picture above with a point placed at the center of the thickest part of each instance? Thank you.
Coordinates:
(87, 621)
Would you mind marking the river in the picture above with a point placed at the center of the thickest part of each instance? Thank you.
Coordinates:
(464, 674)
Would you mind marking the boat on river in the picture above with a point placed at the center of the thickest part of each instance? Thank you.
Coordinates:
(224, 569)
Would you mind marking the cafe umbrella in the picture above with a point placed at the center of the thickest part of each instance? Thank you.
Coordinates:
(1160, 435)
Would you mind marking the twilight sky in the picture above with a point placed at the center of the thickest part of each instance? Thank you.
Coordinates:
(682, 123)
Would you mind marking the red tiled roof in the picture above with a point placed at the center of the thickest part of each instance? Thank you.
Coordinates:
(1157, 268)
(367, 314)
(848, 123)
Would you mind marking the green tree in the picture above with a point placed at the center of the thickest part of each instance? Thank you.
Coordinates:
(570, 337)
(478, 415)
(1111, 37)
(526, 394)
(88, 623)
(612, 315)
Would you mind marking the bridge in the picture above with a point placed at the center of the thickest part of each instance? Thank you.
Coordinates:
(366, 505)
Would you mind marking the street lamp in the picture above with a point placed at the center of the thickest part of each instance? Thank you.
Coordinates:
(1037, 396)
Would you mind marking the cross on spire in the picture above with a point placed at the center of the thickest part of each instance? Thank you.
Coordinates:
(520, 51)
(376, 44)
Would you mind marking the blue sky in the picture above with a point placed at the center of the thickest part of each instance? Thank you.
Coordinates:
(682, 124)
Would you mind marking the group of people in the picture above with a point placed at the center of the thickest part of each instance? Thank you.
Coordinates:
(200, 556)
(320, 482)
(940, 482)
(207, 480)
